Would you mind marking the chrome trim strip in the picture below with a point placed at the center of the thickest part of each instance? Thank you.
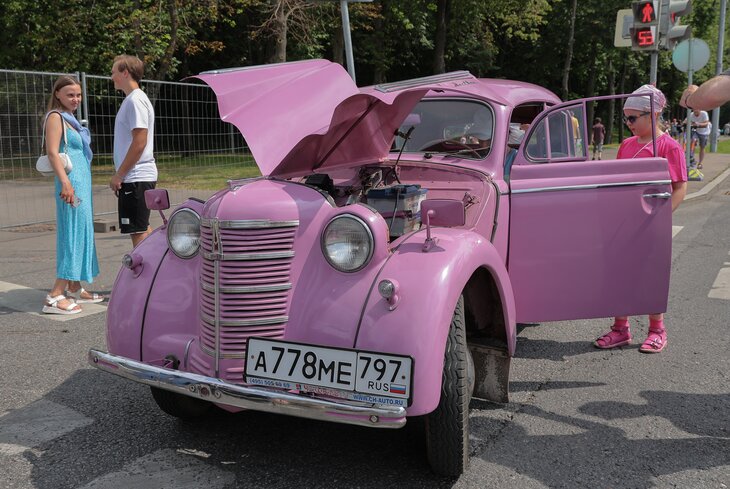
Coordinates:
(186, 355)
(242, 396)
(250, 224)
(239, 322)
(247, 256)
(217, 248)
(245, 289)
(426, 80)
(590, 186)
(226, 356)
(662, 195)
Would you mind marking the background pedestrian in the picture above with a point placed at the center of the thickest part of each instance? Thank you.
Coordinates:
(599, 133)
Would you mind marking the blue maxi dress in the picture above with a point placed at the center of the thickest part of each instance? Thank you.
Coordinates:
(75, 247)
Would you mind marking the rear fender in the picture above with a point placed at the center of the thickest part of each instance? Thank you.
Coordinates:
(429, 285)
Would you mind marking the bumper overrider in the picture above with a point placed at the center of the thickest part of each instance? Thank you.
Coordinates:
(245, 397)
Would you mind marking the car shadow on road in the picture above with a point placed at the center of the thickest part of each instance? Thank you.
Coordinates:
(259, 449)
(598, 455)
(556, 351)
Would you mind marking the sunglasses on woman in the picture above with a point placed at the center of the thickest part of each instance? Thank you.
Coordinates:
(633, 118)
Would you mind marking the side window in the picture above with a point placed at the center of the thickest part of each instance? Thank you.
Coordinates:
(559, 136)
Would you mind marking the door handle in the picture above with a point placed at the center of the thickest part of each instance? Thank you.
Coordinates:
(662, 195)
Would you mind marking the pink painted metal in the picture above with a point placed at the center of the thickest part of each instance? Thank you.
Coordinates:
(549, 242)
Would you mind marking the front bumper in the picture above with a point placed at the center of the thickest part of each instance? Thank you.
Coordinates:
(254, 398)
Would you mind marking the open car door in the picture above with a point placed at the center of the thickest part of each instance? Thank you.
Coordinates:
(587, 238)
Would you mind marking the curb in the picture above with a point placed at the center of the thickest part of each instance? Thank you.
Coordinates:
(707, 188)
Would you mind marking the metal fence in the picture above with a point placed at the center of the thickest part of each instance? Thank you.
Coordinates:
(195, 151)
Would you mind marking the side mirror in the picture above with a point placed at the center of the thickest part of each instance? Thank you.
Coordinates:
(446, 212)
(157, 199)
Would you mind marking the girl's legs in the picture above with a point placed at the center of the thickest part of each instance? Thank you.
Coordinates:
(618, 336)
(656, 340)
(59, 288)
(74, 286)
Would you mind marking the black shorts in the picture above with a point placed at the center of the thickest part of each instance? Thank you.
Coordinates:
(134, 216)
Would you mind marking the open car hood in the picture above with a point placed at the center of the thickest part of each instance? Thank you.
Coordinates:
(308, 116)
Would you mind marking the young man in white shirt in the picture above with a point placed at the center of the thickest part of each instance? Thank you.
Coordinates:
(134, 129)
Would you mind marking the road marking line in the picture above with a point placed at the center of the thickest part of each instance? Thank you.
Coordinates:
(721, 287)
(165, 468)
(25, 299)
(676, 230)
(37, 423)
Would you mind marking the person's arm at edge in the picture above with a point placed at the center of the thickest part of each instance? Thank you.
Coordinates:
(679, 191)
(139, 141)
(713, 93)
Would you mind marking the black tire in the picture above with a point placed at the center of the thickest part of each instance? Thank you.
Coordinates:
(447, 427)
(178, 405)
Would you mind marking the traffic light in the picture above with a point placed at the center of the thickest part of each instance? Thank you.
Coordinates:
(645, 29)
(669, 29)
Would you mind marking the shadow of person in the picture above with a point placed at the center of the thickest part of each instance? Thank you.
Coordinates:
(699, 414)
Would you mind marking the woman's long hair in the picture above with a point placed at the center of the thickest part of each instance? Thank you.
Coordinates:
(62, 81)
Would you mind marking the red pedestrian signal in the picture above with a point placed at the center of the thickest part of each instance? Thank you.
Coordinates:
(644, 31)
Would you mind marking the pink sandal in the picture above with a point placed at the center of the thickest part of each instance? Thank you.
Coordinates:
(655, 342)
(614, 338)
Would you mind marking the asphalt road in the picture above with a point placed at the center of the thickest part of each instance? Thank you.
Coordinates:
(578, 417)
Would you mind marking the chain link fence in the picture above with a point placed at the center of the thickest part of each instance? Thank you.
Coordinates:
(195, 151)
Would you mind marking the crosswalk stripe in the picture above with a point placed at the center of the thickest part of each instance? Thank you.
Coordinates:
(676, 230)
(38, 422)
(721, 287)
(165, 468)
(25, 299)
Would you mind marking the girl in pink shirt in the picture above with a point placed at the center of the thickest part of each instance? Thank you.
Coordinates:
(637, 116)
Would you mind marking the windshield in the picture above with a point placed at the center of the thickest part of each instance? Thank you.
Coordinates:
(448, 126)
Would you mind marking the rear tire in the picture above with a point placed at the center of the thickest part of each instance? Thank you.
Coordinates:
(447, 427)
(178, 405)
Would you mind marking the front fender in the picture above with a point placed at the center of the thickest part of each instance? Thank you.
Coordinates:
(130, 295)
(147, 302)
(429, 286)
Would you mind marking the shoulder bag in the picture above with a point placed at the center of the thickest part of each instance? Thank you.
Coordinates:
(43, 165)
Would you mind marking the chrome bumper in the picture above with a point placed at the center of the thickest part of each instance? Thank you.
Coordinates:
(254, 398)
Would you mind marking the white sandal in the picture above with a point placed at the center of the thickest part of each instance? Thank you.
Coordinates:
(51, 306)
(76, 297)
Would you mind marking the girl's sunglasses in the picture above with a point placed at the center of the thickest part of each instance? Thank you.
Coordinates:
(633, 118)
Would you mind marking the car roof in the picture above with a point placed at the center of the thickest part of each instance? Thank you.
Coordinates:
(505, 92)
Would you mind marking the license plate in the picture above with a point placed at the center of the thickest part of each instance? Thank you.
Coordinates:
(289, 364)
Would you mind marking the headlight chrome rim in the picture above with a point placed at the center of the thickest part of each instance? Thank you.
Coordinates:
(171, 228)
(368, 233)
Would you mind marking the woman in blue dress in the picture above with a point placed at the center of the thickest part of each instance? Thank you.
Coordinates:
(75, 249)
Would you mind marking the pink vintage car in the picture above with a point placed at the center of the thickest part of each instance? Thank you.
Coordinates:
(377, 268)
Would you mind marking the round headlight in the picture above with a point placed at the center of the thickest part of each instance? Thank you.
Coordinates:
(183, 233)
(347, 243)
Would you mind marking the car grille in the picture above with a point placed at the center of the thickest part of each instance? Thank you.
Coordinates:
(252, 262)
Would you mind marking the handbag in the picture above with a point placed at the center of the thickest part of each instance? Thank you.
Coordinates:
(43, 164)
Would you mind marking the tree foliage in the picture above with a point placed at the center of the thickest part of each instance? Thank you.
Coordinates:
(528, 40)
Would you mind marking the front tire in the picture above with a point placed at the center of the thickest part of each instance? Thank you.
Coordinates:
(447, 427)
(178, 405)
